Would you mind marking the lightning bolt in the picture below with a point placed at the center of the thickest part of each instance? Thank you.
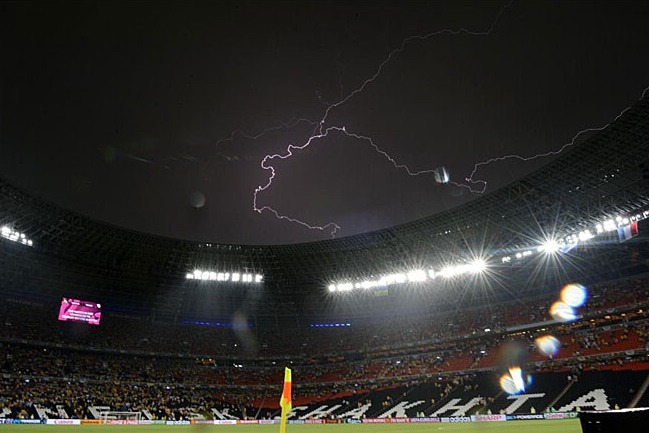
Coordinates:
(471, 181)
(322, 131)
(286, 125)
(289, 153)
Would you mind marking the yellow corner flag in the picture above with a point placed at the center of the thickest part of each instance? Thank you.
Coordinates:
(285, 402)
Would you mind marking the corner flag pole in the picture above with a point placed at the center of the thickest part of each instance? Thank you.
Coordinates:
(285, 401)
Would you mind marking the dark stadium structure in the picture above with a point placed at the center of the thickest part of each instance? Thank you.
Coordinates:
(216, 349)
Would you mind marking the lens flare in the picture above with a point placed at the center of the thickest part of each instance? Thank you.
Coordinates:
(548, 345)
(514, 381)
(574, 295)
(197, 199)
(441, 175)
(562, 312)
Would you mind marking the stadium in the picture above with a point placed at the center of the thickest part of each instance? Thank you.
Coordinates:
(527, 303)
(394, 217)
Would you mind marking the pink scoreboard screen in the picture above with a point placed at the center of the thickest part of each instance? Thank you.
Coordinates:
(74, 310)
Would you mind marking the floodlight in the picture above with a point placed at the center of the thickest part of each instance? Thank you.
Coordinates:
(345, 287)
(585, 235)
(478, 266)
(550, 246)
(416, 276)
(609, 225)
(447, 272)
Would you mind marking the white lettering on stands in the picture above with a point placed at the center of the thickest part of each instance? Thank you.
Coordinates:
(358, 412)
(596, 399)
(320, 412)
(5, 412)
(459, 410)
(399, 411)
(44, 412)
(222, 415)
(293, 412)
(520, 400)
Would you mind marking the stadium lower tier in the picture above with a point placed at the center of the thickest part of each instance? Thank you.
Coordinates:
(607, 304)
(478, 393)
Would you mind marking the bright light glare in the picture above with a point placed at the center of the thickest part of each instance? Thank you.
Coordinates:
(513, 382)
(547, 345)
(15, 236)
(550, 246)
(574, 295)
(235, 277)
(413, 276)
(562, 312)
(478, 266)
(417, 275)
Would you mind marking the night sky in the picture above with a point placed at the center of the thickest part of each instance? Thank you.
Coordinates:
(157, 116)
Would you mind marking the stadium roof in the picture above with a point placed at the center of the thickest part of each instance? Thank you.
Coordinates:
(604, 175)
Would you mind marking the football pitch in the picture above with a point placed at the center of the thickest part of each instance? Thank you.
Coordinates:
(542, 426)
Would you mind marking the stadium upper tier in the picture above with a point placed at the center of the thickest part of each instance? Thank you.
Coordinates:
(580, 198)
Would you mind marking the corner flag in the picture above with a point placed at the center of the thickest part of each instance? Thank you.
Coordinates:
(285, 401)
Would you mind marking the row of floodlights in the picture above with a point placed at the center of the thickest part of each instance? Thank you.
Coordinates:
(234, 277)
(15, 236)
(415, 276)
(568, 242)
(609, 225)
(550, 246)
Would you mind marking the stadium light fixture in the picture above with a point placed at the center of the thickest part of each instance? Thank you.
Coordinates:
(417, 276)
(234, 277)
(585, 235)
(15, 236)
(412, 276)
(478, 266)
(550, 246)
(562, 244)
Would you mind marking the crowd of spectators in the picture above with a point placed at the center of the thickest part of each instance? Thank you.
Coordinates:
(174, 370)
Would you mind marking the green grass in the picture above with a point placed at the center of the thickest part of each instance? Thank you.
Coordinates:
(551, 426)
